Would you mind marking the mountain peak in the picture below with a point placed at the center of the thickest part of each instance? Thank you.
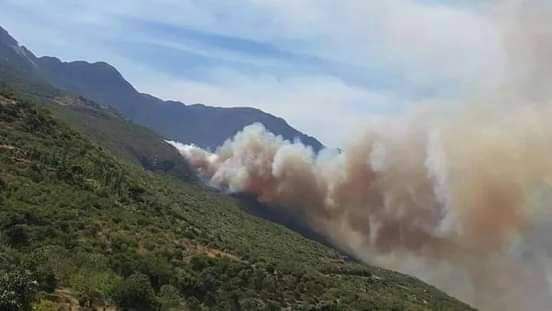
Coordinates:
(6, 38)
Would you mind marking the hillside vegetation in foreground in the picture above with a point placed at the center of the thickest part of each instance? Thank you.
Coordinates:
(81, 227)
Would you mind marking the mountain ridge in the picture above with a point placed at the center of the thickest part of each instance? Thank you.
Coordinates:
(202, 125)
(172, 119)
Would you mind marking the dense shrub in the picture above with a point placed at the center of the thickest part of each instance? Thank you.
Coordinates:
(169, 298)
(17, 235)
(46, 278)
(17, 290)
(136, 293)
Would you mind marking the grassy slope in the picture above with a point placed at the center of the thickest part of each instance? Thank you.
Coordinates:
(72, 211)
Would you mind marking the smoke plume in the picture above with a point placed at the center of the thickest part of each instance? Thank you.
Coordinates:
(459, 196)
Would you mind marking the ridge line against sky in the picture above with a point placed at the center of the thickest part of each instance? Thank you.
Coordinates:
(351, 59)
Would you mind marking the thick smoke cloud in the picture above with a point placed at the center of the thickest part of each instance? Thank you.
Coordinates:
(458, 196)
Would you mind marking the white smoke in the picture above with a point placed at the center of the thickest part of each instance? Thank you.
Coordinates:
(458, 196)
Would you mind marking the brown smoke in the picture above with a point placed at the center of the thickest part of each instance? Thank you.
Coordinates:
(458, 196)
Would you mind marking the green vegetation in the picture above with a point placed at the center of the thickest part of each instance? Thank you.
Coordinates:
(136, 293)
(101, 124)
(79, 226)
(17, 290)
(124, 139)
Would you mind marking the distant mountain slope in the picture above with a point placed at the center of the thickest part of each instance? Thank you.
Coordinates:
(14, 54)
(99, 123)
(207, 127)
(202, 125)
(19, 70)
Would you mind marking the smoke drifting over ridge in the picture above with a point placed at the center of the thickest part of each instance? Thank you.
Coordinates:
(458, 196)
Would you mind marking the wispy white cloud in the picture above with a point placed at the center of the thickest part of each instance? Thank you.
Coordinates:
(346, 58)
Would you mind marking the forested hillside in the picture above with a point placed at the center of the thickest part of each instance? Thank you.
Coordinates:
(79, 226)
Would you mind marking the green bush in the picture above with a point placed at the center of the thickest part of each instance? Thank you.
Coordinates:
(17, 291)
(169, 298)
(17, 235)
(46, 278)
(136, 293)
(157, 269)
(94, 286)
(45, 305)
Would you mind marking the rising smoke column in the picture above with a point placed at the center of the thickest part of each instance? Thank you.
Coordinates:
(459, 196)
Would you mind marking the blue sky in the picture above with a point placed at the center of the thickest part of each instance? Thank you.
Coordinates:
(325, 66)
